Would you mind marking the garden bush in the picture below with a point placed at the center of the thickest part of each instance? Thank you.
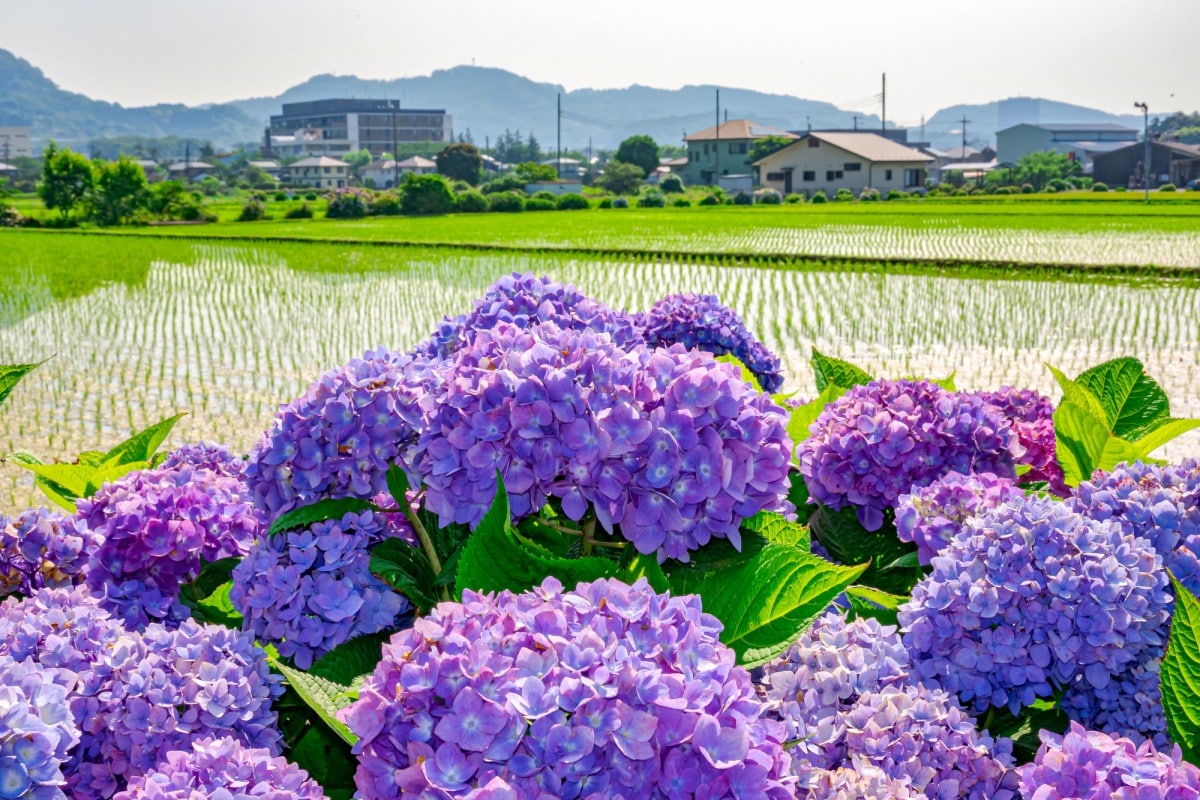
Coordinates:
(1050, 189)
(505, 183)
(934, 192)
(545, 195)
(1099, 186)
(540, 204)
(423, 195)
(280, 197)
(743, 199)
(768, 197)
(572, 202)
(471, 201)
(711, 200)
(681, 202)
(794, 198)
(671, 184)
(620, 202)
(843, 195)
(1057, 184)
(1119, 189)
(819, 196)
(652, 199)
(253, 211)
(1026, 188)
(348, 204)
(869, 195)
(895, 194)
(605, 202)
(506, 202)
(311, 196)
(300, 212)
(385, 204)
(1167, 187)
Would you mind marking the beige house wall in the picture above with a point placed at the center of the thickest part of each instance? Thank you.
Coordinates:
(825, 162)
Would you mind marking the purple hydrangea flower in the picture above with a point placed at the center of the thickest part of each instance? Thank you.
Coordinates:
(669, 446)
(930, 515)
(206, 455)
(342, 435)
(157, 528)
(1032, 596)
(1032, 417)
(1162, 505)
(1083, 763)
(40, 549)
(37, 730)
(704, 323)
(310, 589)
(861, 780)
(605, 691)
(61, 629)
(223, 768)
(880, 440)
(846, 695)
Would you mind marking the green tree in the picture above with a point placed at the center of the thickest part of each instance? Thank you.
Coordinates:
(426, 194)
(258, 178)
(530, 171)
(119, 190)
(357, 159)
(621, 178)
(1042, 167)
(460, 162)
(768, 144)
(640, 150)
(66, 179)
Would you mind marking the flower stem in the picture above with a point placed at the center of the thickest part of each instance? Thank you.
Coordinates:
(589, 534)
(426, 543)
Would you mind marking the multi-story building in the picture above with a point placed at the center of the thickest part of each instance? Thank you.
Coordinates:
(724, 150)
(1080, 142)
(336, 127)
(319, 172)
(14, 142)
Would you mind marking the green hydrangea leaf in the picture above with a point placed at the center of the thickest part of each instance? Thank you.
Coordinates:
(1180, 677)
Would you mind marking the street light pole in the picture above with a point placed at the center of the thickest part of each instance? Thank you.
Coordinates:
(1146, 136)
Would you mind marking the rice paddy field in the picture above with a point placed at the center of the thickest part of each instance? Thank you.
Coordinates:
(139, 328)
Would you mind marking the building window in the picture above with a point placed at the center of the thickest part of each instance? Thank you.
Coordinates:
(912, 177)
(852, 166)
(887, 174)
(775, 176)
(814, 142)
(737, 148)
(829, 174)
(810, 175)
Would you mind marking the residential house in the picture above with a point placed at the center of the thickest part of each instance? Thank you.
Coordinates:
(418, 165)
(337, 126)
(7, 171)
(190, 170)
(154, 173)
(844, 160)
(1170, 162)
(724, 150)
(269, 166)
(569, 169)
(386, 174)
(15, 142)
(319, 172)
(1080, 142)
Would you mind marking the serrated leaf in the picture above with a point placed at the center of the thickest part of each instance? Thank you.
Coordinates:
(107, 473)
(1080, 395)
(747, 376)
(71, 478)
(496, 557)
(947, 382)
(802, 418)
(799, 497)
(768, 601)
(213, 574)
(833, 371)
(847, 542)
(144, 444)
(878, 597)
(93, 458)
(1180, 676)
(323, 696)
(721, 554)
(1162, 432)
(777, 529)
(319, 511)
(406, 569)
(215, 609)
(1132, 400)
(861, 607)
(351, 659)
(11, 375)
(1083, 445)
(327, 760)
(646, 566)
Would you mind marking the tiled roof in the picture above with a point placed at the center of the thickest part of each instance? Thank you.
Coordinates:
(738, 129)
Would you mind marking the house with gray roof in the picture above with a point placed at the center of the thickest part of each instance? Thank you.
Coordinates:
(1080, 142)
(829, 161)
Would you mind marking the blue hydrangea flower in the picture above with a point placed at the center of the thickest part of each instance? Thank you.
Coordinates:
(40, 548)
(37, 730)
(206, 455)
(668, 445)
(846, 695)
(157, 527)
(880, 440)
(340, 437)
(310, 589)
(605, 691)
(1083, 763)
(223, 768)
(1030, 597)
(704, 323)
(1031, 414)
(930, 515)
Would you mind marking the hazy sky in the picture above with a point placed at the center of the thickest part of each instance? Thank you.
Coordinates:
(1101, 53)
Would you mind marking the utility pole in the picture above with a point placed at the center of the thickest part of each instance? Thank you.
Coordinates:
(856, 121)
(963, 154)
(808, 122)
(1146, 136)
(395, 148)
(717, 170)
(558, 163)
(883, 114)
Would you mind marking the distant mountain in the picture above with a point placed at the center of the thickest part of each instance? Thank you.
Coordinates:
(488, 101)
(28, 97)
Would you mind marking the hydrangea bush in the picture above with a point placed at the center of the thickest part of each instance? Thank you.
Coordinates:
(605, 691)
(1031, 414)
(930, 515)
(40, 548)
(37, 731)
(881, 439)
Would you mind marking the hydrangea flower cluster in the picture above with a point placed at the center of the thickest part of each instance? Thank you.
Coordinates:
(206, 455)
(310, 589)
(668, 445)
(61, 629)
(524, 301)
(881, 439)
(223, 768)
(157, 526)
(339, 438)
(1130, 705)
(1032, 596)
(1031, 414)
(704, 323)
(37, 730)
(930, 515)
(168, 688)
(845, 694)
(605, 691)
(40, 548)
(1083, 763)
(861, 780)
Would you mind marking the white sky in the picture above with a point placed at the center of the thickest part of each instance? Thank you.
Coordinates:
(1100, 53)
